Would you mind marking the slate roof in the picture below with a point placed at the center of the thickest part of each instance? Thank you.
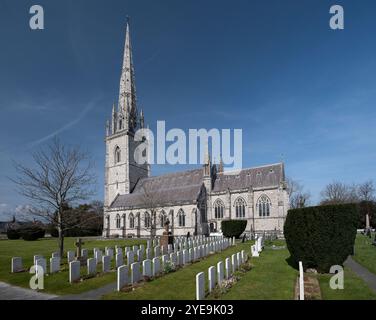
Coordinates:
(172, 188)
(258, 177)
(185, 186)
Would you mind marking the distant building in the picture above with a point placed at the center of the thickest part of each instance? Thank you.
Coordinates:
(194, 201)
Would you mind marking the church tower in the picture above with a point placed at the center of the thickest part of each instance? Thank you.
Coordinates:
(122, 172)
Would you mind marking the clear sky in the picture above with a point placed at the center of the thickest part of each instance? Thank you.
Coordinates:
(300, 91)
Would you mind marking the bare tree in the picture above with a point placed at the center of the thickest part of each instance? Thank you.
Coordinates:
(152, 201)
(366, 191)
(61, 176)
(298, 198)
(338, 192)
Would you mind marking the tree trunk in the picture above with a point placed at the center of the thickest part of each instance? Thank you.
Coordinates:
(61, 235)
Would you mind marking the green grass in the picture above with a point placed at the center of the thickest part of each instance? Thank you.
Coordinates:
(271, 278)
(57, 283)
(178, 285)
(354, 288)
(365, 252)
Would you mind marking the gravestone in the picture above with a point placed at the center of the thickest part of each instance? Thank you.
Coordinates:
(146, 268)
(148, 253)
(140, 255)
(36, 257)
(91, 266)
(234, 262)
(173, 258)
(200, 286)
(98, 256)
(126, 249)
(211, 278)
(185, 256)
(110, 253)
(220, 271)
(78, 245)
(122, 277)
(118, 250)
(228, 268)
(74, 271)
(16, 264)
(190, 254)
(254, 251)
(169, 248)
(148, 244)
(179, 258)
(244, 256)
(130, 257)
(156, 266)
(70, 256)
(106, 264)
(157, 251)
(119, 259)
(164, 261)
(135, 272)
(55, 255)
(42, 262)
(54, 264)
(238, 259)
(84, 253)
(135, 248)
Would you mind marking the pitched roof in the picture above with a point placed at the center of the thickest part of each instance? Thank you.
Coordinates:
(172, 188)
(257, 177)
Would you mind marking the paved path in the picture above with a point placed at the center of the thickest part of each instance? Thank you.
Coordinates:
(9, 292)
(367, 276)
(95, 294)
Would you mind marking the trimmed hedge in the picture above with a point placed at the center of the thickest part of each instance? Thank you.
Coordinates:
(233, 228)
(13, 234)
(321, 236)
(32, 232)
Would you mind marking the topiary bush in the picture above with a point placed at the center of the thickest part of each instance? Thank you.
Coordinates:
(13, 234)
(321, 236)
(233, 228)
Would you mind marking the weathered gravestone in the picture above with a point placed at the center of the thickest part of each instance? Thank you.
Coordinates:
(200, 286)
(135, 272)
(119, 259)
(211, 278)
(146, 268)
(122, 277)
(54, 264)
(16, 264)
(220, 272)
(91, 266)
(106, 264)
(74, 271)
(156, 266)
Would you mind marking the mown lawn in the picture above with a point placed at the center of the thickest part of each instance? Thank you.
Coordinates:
(354, 288)
(271, 278)
(179, 285)
(56, 283)
(365, 253)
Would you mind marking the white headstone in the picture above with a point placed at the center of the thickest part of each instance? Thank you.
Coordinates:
(164, 261)
(98, 256)
(238, 259)
(106, 264)
(55, 255)
(200, 286)
(185, 256)
(42, 262)
(119, 261)
(140, 255)
(301, 281)
(91, 266)
(156, 266)
(118, 250)
(211, 278)
(122, 277)
(84, 253)
(36, 257)
(157, 251)
(234, 262)
(228, 268)
(130, 257)
(179, 258)
(74, 271)
(148, 253)
(220, 272)
(110, 253)
(146, 268)
(135, 272)
(244, 256)
(173, 258)
(70, 256)
(169, 248)
(16, 264)
(54, 264)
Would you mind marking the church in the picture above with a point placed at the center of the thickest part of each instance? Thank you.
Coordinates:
(137, 204)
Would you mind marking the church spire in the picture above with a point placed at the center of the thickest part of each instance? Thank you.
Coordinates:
(127, 90)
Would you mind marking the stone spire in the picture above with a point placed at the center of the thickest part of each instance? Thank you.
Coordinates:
(127, 90)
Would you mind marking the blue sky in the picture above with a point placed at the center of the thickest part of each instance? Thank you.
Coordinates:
(273, 68)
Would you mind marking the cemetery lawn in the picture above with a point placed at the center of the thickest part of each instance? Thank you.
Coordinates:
(354, 288)
(271, 277)
(365, 252)
(57, 283)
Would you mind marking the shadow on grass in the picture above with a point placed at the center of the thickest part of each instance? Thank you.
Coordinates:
(292, 263)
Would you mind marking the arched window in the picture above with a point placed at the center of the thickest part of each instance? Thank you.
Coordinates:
(131, 221)
(263, 205)
(147, 220)
(120, 124)
(117, 155)
(240, 208)
(118, 221)
(219, 208)
(108, 222)
(163, 218)
(181, 217)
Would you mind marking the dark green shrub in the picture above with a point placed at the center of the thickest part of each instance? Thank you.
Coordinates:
(321, 236)
(233, 228)
(32, 232)
(13, 234)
